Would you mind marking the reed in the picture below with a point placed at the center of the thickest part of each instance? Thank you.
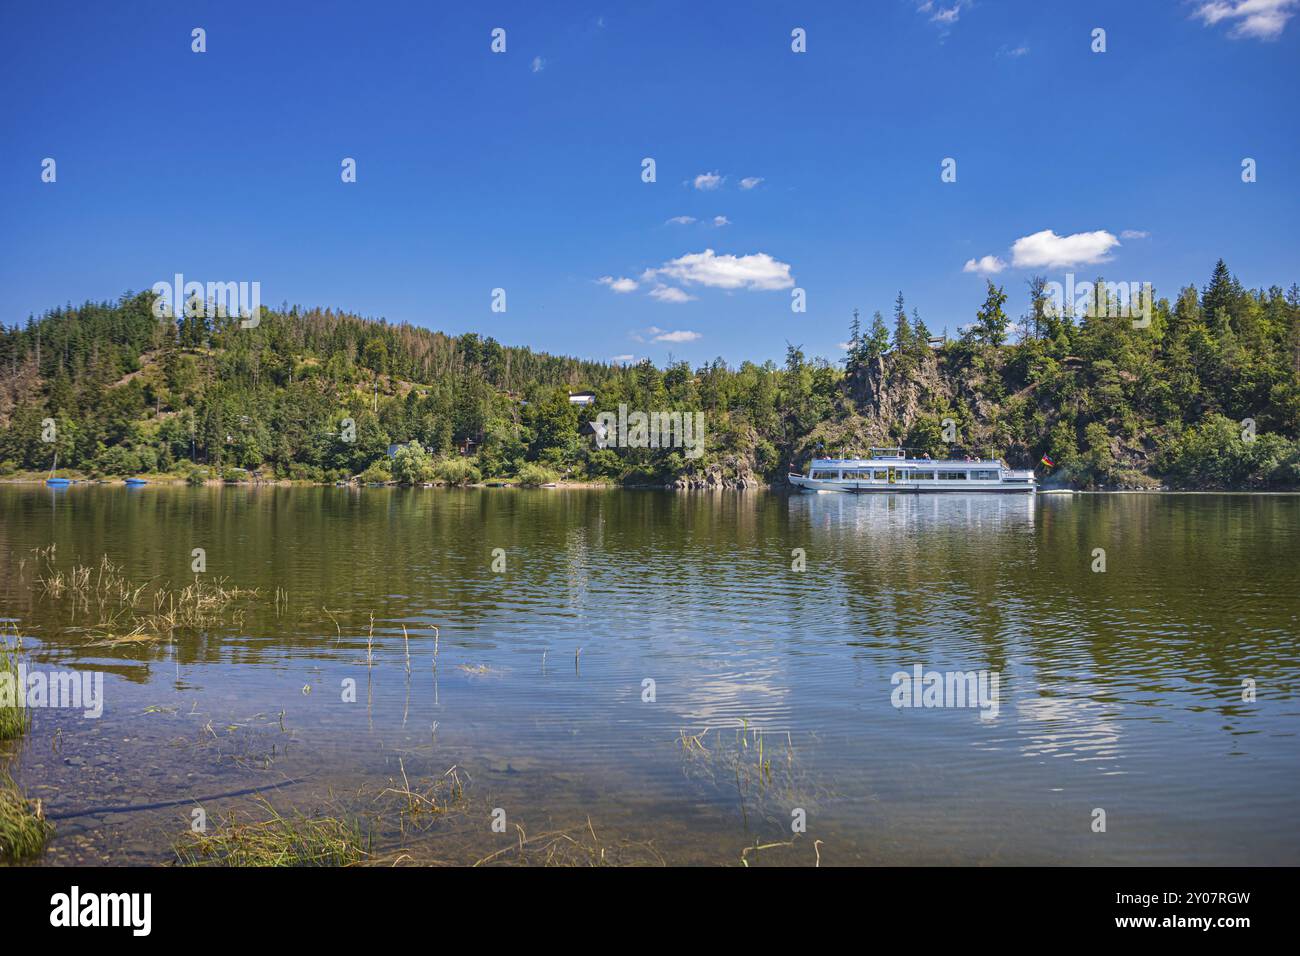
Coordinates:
(578, 846)
(146, 612)
(23, 827)
(14, 718)
(294, 840)
(437, 799)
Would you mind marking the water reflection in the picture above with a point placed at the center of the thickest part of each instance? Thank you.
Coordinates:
(1123, 685)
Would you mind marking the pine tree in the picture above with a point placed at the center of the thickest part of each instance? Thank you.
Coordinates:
(1036, 320)
(920, 334)
(854, 359)
(990, 320)
(878, 338)
(902, 330)
(1219, 300)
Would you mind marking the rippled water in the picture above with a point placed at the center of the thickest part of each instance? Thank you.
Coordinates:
(1119, 691)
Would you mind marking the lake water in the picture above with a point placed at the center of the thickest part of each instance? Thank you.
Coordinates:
(1118, 690)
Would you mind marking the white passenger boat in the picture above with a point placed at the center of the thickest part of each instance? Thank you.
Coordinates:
(890, 470)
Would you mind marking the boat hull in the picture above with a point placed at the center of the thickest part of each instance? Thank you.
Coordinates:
(804, 483)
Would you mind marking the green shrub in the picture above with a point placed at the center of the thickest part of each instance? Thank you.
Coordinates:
(532, 474)
(379, 471)
(299, 472)
(412, 464)
(456, 471)
(604, 463)
(1214, 454)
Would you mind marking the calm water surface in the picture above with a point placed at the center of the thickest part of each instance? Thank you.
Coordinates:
(1119, 690)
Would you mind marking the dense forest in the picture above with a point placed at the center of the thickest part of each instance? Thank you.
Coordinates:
(1207, 395)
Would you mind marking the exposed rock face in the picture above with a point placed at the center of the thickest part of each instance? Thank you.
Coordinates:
(885, 402)
(734, 472)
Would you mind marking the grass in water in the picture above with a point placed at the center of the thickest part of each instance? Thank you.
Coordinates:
(23, 827)
(14, 719)
(277, 841)
(104, 599)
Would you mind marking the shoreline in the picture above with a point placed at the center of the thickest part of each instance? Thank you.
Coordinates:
(607, 486)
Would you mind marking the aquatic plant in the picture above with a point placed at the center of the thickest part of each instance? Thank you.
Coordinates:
(578, 846)
(23, 827)
(14, 718)
(135, 614)
(437, 799)
(294, 840)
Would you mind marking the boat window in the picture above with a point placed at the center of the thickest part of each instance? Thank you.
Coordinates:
(952, 476)
(825, 475)
(857, 476)
(923, 475)
(984, 475)
(882, 476)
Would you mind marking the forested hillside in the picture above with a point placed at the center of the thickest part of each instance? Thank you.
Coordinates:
(1109, 404)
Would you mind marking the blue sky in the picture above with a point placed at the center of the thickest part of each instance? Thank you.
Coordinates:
(523, 170)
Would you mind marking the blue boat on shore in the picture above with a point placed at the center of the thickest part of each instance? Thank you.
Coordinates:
(56, 482)
(136, 482)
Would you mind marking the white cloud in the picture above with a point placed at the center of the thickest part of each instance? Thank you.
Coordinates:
(621, 284)
(681, 220)
(667, 293)
(708, 180)
(986, 265)
(538, 64)
(941, 13)
(1048, 250)
(1008, 50)
(682, 336)
(721, 221)
(749, 182)
(1254, 19)
(1134, 234)
(757, 272)
(623, 359)
(844, 346)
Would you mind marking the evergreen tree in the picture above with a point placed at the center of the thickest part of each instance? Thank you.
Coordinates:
(920, 333)
(877, 343)
(902, 330)
(1220, 296)
(991, 320)
(1036, 320)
